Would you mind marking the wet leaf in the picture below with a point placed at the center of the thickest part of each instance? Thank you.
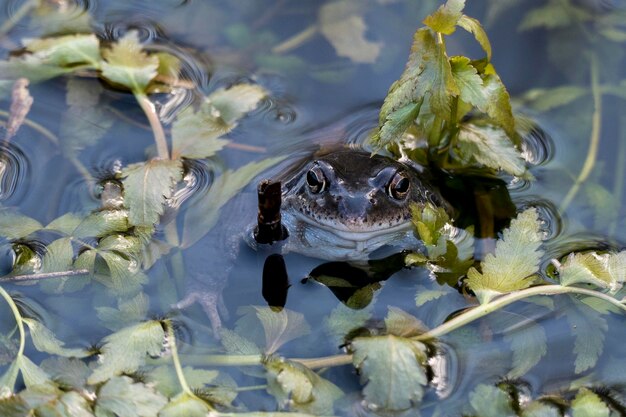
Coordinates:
(515, 261)
(66, 223)
(424, 295)
(446, 17)
(490, 147)
(474, 27)
(402, 324)
(103, 223)
(489, 401)
(146, 187)
(397, 122)
(589, 330)
(165, 381)
(588, 404)
(9, 377)
(195, 134)
(203, 215)
(185, 405)
(344, 28)
(529, 345)
(59, 256)
(66, 51)
(296, 386)
(67, 372)
(342, 320)
(32, 374)
(606, 270)
(45, 341)
(236, 344)
(15, 226)
(128, 311)
(393, 369)
(280, 327)
(127, 64)
(540, 409)
(120, 396)
(125, 350)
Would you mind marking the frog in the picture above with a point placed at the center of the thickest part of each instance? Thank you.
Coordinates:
(342, 205)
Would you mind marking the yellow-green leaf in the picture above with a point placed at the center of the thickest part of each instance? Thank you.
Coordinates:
(127, 64)
(446, 17)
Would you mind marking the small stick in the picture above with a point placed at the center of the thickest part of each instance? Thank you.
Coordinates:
(44, 275)
(269, 226)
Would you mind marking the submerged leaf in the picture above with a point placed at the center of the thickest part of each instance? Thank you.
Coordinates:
(120, 396)
(125, 350)
(515, 261)
(127, 64)
(15, 226)
(589, 330)
(345, 30)
(393, 369)
(164, 379)
(45, 341)
(489, 401)
(146, 187)
(281, 327)
(402, 324)
(529, 345)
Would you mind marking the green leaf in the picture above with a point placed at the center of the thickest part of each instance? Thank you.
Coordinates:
(342, 320)
(127, 312)
(280, 327)
(196, 134)
(394, 370)
(471, 86)
(474, 27)
(127, 64)
(554, 15)
(529, 345)
(236, 344)
(16, 226)
(589, 330)
(402, 324)
(446, 17)
(295, 385)
(424, 295)
(588, 404)
(8, 379)
(146, 187)
(397, 122)
(59, 256)
(45, 341)
(125, 350)
(489, 401)
(32, 374)
(66, 223)
(166, 382)
(344, 28)
(120, 396)
(66, 51)
(490, 147)
(67, 372)
(515, 261)
(103, 223)
(606, 270)
(203, 215)
(185, 405)
(551, 98)
(540, 409)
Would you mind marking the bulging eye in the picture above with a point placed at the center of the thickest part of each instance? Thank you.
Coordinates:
(398, 187)
(316, 180)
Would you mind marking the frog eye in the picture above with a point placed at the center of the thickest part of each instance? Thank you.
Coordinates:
(316, 180)
(398, 187)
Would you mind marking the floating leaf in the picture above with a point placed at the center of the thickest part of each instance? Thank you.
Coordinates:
(166, 382)
(45, 341)
(393, 368)
(606, 270)
(196, 134)
(59, 256)
(103, 223)
(67, 372)
(146, 187)
(66, 223)
(66, 51)
(127, 64)
(446, 17)
(402, 324)
(491, 147)
(280, 327)
(127, 312)
(515, 261)
(120, 396)
(125, 350)
(203, 215)
(589, 404)
(185, 405)
(489, 401)
(342, 320)
(296, 385)
(529, 345)
(15, 226)
(345, 30)
(589, 330)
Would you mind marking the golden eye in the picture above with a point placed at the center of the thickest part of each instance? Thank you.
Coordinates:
(398, 187)
(316, 180)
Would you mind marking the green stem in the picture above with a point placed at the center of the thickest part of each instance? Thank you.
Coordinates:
(18, 321)
(594, 139)
(179, 369)
(155, 124)
(17, 16)
(488, 308)
(296, 40)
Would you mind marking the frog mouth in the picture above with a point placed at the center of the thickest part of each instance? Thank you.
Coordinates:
(356, 232)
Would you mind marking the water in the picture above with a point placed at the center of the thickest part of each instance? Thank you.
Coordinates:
(317, 98)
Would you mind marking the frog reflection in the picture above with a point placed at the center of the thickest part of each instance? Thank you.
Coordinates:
(344, 205)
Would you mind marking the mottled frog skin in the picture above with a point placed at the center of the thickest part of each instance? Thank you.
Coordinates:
(342, 205)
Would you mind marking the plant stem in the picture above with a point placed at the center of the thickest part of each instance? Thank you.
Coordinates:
(43, 275)
(325, 362)
(155, 124)
(171, 336)
(620, 170)
(594, 139)
(296, 40)
(18, 321)
(487, 308)
(17, 16)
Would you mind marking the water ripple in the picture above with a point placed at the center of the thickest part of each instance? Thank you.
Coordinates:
(550, 222)
(14, 172)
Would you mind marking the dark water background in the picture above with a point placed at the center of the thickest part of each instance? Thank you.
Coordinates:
(317, 97)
